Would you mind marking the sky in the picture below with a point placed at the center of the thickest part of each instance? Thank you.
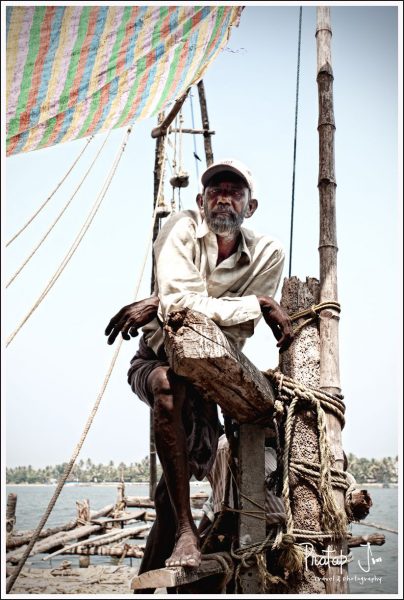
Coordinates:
(55, 366)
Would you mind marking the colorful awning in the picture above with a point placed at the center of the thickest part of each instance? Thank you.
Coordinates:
(73, 71)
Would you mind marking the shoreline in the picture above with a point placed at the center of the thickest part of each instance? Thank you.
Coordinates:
(143, 483)
(101, 484)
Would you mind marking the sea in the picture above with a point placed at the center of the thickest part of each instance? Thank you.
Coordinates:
(372, 570)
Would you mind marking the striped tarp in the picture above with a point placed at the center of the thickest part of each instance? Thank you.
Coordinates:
(73, 71)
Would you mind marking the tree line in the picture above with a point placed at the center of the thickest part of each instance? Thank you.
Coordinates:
(83, 472)
(365, 470)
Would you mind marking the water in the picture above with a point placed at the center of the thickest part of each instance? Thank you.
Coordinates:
(366, 576)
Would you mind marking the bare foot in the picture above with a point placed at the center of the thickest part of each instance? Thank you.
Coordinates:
(186, 552)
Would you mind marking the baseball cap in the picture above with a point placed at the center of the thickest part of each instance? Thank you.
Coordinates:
(229, 164)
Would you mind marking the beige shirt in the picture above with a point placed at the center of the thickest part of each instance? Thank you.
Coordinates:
(186, 275)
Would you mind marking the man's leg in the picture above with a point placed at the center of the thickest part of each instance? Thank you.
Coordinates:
(160, 541)
(169, 394)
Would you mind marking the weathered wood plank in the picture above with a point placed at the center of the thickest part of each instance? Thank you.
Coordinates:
(138, 515)
(198, 350)
(175, 576)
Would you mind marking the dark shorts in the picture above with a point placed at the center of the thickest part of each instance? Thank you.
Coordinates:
(200, 417)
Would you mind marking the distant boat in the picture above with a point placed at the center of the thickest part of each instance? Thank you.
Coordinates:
(385, 484)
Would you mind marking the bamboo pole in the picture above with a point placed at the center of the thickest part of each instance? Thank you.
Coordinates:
(100, 540)
(158, 169)
(329, 319)
(127, 550)
(205, 124)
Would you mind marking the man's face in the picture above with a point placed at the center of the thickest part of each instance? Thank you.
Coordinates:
(225, 204)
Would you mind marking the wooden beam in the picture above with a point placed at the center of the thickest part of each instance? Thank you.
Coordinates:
(176, 576)
(251, 453)
(20, 538)
(161, 130)
(10, 512)
(193, 131)
(198, 349)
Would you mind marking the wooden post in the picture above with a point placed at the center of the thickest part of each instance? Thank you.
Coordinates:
(205, 124)
(10, 512)
(329, 319)
(251, 454)
(301, 363)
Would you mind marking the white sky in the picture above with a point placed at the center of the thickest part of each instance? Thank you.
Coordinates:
(56, 364)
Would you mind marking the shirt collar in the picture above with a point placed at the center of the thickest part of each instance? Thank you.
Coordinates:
(202, 230)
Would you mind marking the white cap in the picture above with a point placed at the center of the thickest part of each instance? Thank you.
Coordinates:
(229, 164)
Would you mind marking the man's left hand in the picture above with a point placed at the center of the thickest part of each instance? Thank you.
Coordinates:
(278, 320)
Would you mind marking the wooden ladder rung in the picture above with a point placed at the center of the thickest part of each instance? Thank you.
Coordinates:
(173, 576)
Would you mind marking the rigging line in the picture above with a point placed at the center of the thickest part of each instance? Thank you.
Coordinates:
(180, 134)
(194, 138)
(294, 142)
(70, 465)
(77, 240)
(51, 195)
(60, 214)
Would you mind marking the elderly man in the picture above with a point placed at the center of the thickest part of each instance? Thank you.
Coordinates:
(206, 261)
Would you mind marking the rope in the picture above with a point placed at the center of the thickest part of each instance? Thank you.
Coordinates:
(287, 387)
(321, 475)
(313, 311)
(88, 424)
(49, 197)
(77, 241)
(60, 214)
(295, 139)
(227, 566)
(246, 557)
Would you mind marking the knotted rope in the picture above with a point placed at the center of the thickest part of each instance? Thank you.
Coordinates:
(321, 475)
(313, 313)
(255, 553)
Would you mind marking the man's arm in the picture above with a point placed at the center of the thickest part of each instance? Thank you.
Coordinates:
(181, 285)
(278, 320)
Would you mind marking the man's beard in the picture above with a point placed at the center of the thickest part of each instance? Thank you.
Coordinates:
(221, 224)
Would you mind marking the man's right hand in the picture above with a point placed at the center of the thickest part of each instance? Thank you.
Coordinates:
(278, 320)
(131, 317)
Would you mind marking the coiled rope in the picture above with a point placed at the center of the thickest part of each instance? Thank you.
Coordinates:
(322, 476)
(313, 313)
(15, 236)
(88, 424)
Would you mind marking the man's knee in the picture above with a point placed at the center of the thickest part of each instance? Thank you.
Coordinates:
(161, 389)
